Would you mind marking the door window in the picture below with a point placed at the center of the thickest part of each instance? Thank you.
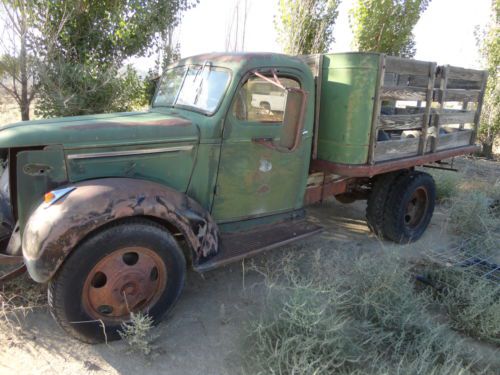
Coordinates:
(261, 101)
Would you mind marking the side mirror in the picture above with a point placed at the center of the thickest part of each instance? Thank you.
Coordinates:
(293, 121)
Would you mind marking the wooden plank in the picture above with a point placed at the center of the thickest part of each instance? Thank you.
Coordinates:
(456, 139)
(463, 84)
(467, 74)
(402, 93)
(401, 122)
(456, 95)
(431, 74)
(406, 66)
(395, 149)
(442, 74)
(459, 117)
(479, 107)
(377, 104)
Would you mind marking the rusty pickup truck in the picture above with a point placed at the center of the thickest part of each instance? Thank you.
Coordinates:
(111, 209)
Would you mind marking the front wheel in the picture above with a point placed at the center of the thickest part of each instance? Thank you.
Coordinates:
(127, 268)
(409, 210)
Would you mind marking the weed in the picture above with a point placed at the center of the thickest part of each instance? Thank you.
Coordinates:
(472, 302)
(358, 317)
(18, 298)
(447, 184)
(138, 333)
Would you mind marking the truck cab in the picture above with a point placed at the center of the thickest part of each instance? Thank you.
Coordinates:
(110, 209)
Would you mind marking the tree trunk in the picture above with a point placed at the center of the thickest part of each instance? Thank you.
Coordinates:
(23, 62)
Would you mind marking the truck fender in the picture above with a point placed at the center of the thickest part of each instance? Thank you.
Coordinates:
(53, 231)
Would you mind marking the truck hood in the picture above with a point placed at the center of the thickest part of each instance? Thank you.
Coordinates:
(115, 128)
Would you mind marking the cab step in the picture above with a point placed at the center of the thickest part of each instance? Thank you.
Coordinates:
(237, 246)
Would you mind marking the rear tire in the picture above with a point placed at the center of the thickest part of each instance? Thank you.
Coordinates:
(409, 210)
(135, 266)
(377, 199)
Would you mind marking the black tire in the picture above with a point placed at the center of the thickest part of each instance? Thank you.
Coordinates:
(409, 211)
(66, 295)
(377, 199)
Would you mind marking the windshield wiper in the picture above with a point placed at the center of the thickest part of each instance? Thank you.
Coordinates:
(200, 86)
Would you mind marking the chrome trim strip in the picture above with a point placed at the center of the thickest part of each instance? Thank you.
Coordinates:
(129, 152)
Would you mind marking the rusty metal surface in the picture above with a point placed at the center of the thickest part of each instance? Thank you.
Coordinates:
(52, 233)
(237, 246)
(326, 189)
(128, 280)
(365, 170)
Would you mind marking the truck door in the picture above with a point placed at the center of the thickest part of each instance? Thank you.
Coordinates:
(261, 172)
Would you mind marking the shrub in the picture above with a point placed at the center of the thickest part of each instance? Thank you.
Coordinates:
(360, 317)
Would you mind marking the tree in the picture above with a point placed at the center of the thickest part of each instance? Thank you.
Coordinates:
(489, 131)
(91, 50)
(236, 28)
(306, 26)
(386, 25)
(19, 52)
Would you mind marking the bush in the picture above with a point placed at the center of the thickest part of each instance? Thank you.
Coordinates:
(447, 184)
(361, 317)
(72, 90)
(471, 301)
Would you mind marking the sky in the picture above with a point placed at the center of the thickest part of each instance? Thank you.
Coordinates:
(444, 33)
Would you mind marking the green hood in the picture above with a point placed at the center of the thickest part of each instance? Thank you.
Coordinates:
(108, 129)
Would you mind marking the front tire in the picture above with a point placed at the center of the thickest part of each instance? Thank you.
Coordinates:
(135, 266)
(409, 210)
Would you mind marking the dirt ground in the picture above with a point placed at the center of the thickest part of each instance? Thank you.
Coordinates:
(205, 332)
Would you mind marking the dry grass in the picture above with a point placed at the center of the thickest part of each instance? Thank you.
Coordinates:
(138, 334)
(353, 318)
(472, 302)
(18, 298)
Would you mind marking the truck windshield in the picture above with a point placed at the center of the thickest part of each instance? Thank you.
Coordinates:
(194, 86)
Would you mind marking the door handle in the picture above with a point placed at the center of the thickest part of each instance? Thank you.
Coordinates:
(262, 139)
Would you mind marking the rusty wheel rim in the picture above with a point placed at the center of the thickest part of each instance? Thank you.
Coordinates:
(416, 208)
(128, 280)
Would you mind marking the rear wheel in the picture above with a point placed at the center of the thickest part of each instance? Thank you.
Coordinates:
(376, 203)
(131, 267)
(409, 211)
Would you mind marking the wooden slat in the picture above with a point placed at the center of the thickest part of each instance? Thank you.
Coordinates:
(479, 106)
(402, 93)
(406, 66)
(466, 74)
(459, 117)
(456, 95)
(455, 139)
(401, 122)
(431, 75)
(395, 149)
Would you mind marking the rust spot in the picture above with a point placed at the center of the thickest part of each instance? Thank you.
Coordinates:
(52, 233)
(263, 189)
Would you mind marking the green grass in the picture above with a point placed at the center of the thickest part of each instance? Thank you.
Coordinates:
(357, 317)
(447, 183)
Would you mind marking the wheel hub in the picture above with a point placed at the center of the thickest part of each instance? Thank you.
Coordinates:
(416, 208)
(127, 280)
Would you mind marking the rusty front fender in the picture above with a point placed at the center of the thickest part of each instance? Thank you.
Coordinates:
(51, 233)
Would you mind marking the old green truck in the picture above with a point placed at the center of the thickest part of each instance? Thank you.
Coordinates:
(110, 210)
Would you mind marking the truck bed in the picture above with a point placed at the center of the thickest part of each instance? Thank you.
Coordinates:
(375, 110)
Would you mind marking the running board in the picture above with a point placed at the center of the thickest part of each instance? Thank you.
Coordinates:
(237, 246)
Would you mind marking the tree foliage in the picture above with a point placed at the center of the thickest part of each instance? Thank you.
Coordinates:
(490, 119)
(85, 72)
(386, 25)
(306, 26)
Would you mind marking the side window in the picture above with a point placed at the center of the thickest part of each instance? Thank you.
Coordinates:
(261, 101)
